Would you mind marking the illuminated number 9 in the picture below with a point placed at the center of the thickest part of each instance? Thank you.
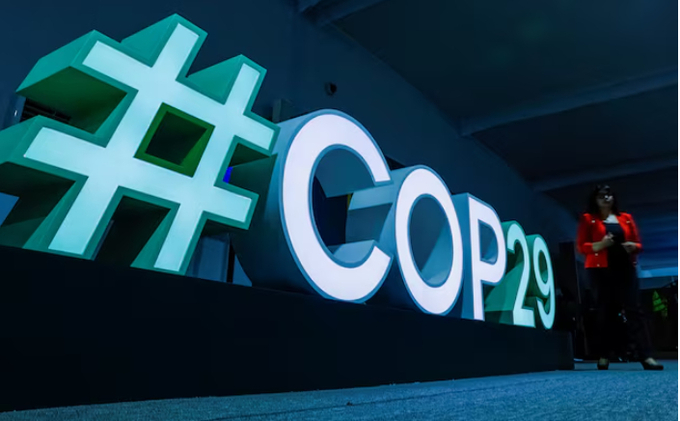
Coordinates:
(543, 287)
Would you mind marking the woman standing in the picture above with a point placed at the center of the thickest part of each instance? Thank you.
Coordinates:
(609, 239)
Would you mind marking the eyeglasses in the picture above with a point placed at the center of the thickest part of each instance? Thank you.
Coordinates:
(604, 196)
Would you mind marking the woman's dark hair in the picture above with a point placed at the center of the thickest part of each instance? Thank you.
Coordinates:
(593, 208)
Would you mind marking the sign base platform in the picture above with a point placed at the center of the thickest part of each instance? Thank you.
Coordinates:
(80, 332)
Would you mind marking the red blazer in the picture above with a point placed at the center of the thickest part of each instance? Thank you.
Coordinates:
(591, 229)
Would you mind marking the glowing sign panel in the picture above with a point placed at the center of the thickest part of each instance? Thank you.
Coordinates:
(145, 137)
(108, 164)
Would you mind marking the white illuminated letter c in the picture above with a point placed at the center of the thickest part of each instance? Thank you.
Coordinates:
(356, 270)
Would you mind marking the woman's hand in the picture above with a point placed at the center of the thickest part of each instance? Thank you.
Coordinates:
(606, 242)
(630, 247)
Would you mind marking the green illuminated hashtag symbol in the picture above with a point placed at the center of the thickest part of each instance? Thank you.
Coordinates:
(139, 131)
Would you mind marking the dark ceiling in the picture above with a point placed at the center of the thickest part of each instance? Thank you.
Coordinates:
(570, 93)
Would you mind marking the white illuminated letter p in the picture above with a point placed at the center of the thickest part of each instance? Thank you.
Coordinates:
(483, 270)
(485, 261)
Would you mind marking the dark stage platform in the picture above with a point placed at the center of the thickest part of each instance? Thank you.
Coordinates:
(81, 332)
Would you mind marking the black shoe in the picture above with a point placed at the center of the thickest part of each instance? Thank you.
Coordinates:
(651, 364)
(603, 364)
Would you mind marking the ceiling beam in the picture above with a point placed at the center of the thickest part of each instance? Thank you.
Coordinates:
(660, 220)
(667, 264)
(607, 173)
(659, 250)
(659, 262)
(655, 271)
(662, 259)
(565, 102)
(651, 209)
(324, 12)
(666, 260)
(304, 5)
(659, 231)
(658, 272)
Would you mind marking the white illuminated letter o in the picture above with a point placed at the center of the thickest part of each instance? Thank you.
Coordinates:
(440, 299)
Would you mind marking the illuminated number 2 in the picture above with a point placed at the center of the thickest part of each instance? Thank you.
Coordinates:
(527, 292)
(521, 315)
(505, 302)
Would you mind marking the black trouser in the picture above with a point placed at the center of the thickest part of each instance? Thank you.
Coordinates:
(615, 290)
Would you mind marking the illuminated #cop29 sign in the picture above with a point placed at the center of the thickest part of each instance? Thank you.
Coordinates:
(140, 130)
